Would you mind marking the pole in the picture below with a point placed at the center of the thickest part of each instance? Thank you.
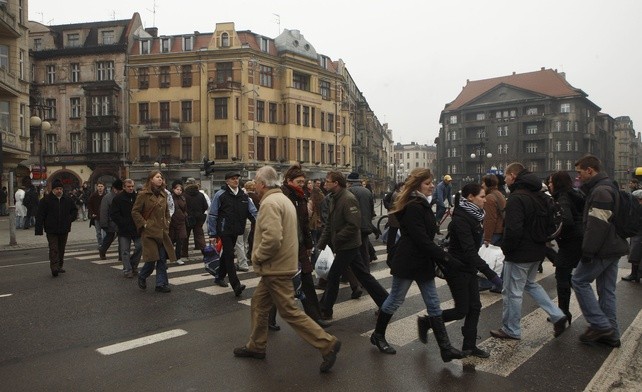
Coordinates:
(12, 213)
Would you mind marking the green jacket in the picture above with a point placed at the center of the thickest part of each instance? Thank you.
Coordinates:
(342, 231)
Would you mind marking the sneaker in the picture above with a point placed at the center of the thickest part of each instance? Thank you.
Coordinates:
(330, 358)
(180, 262)
(594, 335)
(244, 352)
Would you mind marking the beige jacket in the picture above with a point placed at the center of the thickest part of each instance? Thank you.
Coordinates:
(155, 229)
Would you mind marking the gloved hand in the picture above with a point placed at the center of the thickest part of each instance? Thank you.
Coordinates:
(497, 281)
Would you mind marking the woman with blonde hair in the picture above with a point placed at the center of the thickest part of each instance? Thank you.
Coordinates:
(414, 260)
(151, 217)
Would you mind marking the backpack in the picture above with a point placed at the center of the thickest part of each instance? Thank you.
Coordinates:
(627, 217)
(387, 200)
(547, 224)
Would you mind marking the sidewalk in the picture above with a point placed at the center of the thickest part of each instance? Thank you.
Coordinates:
(26, 239)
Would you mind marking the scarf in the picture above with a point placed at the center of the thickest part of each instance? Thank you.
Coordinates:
(298, 191)
(472, 209)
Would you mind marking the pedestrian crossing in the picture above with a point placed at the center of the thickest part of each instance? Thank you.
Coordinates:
(507, 355)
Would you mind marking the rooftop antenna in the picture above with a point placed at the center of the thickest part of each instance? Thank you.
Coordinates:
(113, 14)
(153, 11)
(278, 22)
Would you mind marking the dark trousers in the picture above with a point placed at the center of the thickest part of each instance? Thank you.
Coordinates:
(364, 251)
(311, 301)
(57, 244)
(227, 260)
(344, 259)
(199, 237)
(107, 240)
(465, 291)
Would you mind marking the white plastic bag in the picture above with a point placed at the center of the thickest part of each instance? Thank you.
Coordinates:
(324, 263)
(493, 256)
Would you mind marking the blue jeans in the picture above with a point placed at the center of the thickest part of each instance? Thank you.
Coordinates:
(130, 260)
(161, 268)
(399, 289)
(439, 213)
(600, 314)
(517, 278)
(100, 234)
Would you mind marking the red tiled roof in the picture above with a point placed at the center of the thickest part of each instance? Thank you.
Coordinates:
(545, 81)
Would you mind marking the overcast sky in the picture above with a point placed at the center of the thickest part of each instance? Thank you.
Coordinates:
(409, 57)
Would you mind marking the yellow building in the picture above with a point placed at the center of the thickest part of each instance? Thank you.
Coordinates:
(237, 99)
(14, 89)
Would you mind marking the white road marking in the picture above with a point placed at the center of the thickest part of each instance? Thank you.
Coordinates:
(5, 295)
(144, 341)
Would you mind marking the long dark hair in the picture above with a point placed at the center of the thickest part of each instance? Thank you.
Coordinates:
(562, 182)
(469, 189)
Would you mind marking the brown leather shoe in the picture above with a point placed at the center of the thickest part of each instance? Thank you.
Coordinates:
(330, 358)
(500, 334)
(244, 352)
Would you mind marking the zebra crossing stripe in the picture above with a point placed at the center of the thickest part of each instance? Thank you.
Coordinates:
(619, 370)
(144, 341)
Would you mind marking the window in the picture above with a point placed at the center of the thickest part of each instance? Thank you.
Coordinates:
(306, 116)
(480, 116)
(186, 148)
(569, 165)
(260, 148)
(531, 147)
(100, 105)
(100, 142)
(5, 116)
(143, 78)
(314, 118)
(75, 72)
(558, 126)
(23, 111)
(75, 142)
(502, 148)
(107, 37)
(223, 72)
(143, 113)
(558, 165)
(225, 40)
(558, 146)
(264, 44)
(186, 76)
(52, 142)
(220, 108)
(144, 46)
(454, 152)
(533, 166)
(323, 62)
(301, 81)
(164, 146)
(502, 130)
(21, 64)
(74, 107)
(50, 109)
(73, 40)
(330, 122)
(37, 43)
(51, 74)
(531, 129)
(272, 113)
(186, 111)
(163, 77)
(188, 43)
(272, 149)
(453, 120)
(265, 76)
(481, 133)
(324, 88)
(331, 156)
(220, 147)
(298, 114)
(531, 111)
(568, 145)
(4, 56)
(143, 147)
(105, 70)
(165, 45)
(164, 114)
(260, 111)
(565, 108)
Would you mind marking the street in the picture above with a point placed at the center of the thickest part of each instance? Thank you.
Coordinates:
(91, 329)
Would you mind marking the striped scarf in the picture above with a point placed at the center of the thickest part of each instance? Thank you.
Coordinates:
(472, 209)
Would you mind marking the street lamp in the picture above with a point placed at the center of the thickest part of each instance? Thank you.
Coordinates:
(481, 161)
(43, 126)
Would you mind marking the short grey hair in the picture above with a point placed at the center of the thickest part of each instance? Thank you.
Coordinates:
(268, 176)
(128, 181)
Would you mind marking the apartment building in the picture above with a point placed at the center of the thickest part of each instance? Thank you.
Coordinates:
(239, 100)
(410, 156)
(78, 87)
(628, 150)
(536, 118)
(15, 138)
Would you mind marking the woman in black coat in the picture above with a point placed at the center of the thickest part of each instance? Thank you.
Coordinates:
(414, 261)
(570, 239)
(466, 234)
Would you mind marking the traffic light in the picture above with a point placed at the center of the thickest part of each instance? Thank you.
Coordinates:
(207, 167)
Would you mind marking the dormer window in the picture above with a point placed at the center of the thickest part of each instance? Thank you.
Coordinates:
(144, 46)
(73, 40)
(165, 45)
(37, 44)
(323, 61)
(225, 40)
(264, 44)
(188, 43)
(108, 37)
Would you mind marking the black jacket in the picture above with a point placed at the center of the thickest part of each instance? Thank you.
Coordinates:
(196, 204)
(416, 250)
(120, 212)
(229, 212)
(518, 245)
(55, 215)
(465, 238)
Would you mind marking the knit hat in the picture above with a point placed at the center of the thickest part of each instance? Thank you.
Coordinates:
(353, 177)
(117, 184)
(56, 184)
(177, 182)
(293, 172)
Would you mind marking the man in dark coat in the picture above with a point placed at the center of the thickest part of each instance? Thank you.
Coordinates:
(31, 202)
(93, 205)
(523, 255)
(196, 215)
(56, 212)
(366, 207)
(106, 223)
(120, 213)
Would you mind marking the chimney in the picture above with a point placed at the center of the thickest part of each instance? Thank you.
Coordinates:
(153, 31)
(543, 68)
(563, 75)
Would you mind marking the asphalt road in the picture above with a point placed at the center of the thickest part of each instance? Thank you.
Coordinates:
(57, 334)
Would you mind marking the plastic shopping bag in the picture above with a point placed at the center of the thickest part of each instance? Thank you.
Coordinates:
(324, 263)
(493, 256)
(211, 259)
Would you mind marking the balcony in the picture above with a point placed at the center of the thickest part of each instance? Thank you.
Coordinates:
(9, 84)
(8, 23)
(230, 85)
(97, 123)
(158, 128)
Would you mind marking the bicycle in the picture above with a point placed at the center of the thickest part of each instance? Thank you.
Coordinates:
(383, 220)
(447, 214)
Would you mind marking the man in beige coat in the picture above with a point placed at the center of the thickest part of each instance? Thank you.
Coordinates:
(275, 258)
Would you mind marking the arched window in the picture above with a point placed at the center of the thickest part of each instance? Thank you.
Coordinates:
(225, 40)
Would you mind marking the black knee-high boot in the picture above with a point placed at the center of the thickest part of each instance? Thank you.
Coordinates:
(448, 352)
(634, 276)
(378, 337)
(423, 325)
(564, 300)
